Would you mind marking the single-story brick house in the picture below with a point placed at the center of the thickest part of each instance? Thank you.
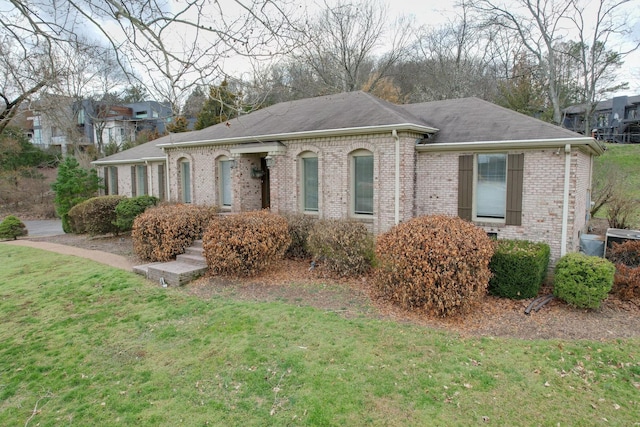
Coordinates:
(352, 155)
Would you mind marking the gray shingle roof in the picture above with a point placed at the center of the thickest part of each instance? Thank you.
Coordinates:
(458, 120)
(472, 119)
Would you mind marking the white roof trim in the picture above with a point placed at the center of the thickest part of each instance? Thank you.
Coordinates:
(589, 144)
(305, 134)
(128, 161)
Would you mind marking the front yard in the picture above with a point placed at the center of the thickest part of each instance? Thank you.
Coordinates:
(86, 344)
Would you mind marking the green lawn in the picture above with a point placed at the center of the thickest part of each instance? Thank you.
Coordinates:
(624, 158)
(87, 345)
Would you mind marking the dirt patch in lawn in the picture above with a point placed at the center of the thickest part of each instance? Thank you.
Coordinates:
(293, 283)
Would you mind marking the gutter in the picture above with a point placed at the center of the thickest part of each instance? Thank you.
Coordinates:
(565, 201)
(128, 161)
(589, 144)
(303, 135)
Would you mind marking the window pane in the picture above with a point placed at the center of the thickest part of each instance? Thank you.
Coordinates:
(363, 173)
(491, 189)
(225, 182)
(186, 182)
(310, 183)
(113, 180)
(141, 177)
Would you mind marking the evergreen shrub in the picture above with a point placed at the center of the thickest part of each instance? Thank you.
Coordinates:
(519, 267)
(128, 209)
(11, 228)
(583, 281)
(162, 232)
(245, 244)
(95, 215)
(434, 264)
(341, 247)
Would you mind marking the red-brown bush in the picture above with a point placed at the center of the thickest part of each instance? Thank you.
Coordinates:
(162, 232)
(245, 244)
(435, 264)
(299, 227)
(627, 253)
(626, 282)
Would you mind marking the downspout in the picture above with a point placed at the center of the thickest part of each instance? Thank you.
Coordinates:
(565, 202)
(395, 136)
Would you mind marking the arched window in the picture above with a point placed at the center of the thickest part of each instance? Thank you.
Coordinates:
(309, 181)
(224, 181)
(185, 180)
(362, 182)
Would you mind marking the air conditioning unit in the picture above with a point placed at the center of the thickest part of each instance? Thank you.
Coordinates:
(617, 235)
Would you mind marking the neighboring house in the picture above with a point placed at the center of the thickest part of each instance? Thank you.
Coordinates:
(613, 120)
(354, 156)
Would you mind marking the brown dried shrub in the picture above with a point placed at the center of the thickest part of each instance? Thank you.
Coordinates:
(626, 257)
(162, 232)
(626, 282)
(299, 227)
(245, 244)
(342, 248)
(435, 264)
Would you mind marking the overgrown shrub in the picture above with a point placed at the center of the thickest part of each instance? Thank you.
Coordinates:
(128, 209)
(627, 253)
(299, 227)
(95, 215)
(519, 267)
(435, 264)
(12, 228)
(343, 248)
(162, 232)
(583, 281)
(246, 243)
(626, 257)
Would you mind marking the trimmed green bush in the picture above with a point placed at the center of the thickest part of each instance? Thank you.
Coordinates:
(299, 227)
(162, 232)
(245, 244)
(435, 264)
(519, 267)
(342, 248)
(12, 228)
(583, 281)
(128, 209)
(95, 215)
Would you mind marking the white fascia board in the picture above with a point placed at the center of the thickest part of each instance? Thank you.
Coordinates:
(588, 144)
(302, 135)
(128, 161)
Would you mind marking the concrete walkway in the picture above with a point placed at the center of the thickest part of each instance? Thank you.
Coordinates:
(113, 260)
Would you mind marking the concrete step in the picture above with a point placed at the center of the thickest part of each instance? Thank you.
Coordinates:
(174, 273)
(195, 251)
(196, 244)
(197, 260)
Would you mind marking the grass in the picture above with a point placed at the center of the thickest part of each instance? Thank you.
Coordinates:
(624, 158)
(85, 344)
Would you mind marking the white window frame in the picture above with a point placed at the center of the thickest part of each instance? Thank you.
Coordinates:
(354, 195)
(141, 177)
(185, 180)
(476, 216)
(303, 183)
(224, 160)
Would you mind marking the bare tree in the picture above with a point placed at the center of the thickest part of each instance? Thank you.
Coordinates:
(544, 28)
(597, 64)
(341, 44)
(166, 47)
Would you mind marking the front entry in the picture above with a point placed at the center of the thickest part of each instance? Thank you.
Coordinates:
(266, 187)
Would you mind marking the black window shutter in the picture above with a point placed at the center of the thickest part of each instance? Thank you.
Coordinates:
(106, 180)
(515, 178)
(133, 182)
(465, 187)
(114, 172)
